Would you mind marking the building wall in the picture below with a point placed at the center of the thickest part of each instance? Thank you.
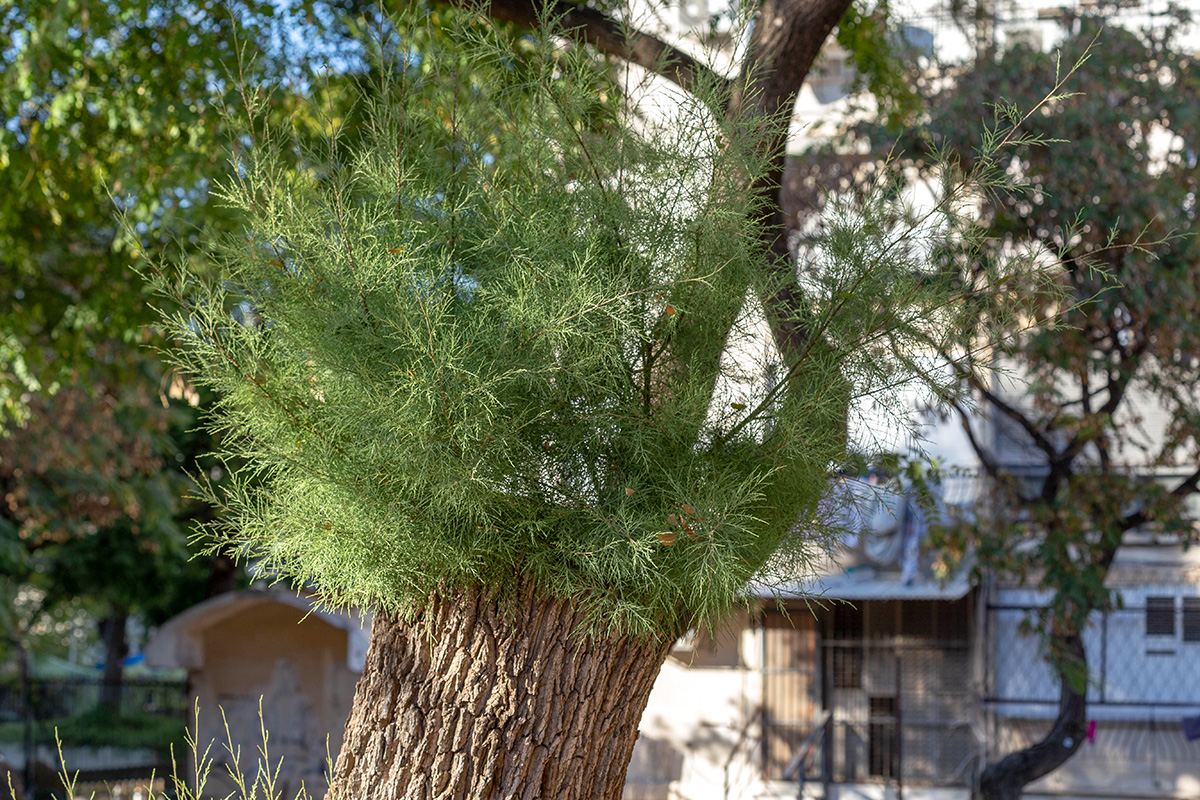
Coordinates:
(701, 728)
(727, 716)
(297, 665)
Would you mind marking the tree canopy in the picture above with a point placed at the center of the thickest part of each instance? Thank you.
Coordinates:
(1096, 417)
(493, 341)
(106, 106)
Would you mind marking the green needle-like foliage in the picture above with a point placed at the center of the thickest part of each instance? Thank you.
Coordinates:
(503, 339)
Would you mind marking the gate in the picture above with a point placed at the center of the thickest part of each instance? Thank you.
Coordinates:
(896, 678)
(900, 713)
(878, 692)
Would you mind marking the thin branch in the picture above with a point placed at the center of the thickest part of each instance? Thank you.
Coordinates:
(617, 298)
(1010, 411)
(1116, 386)
(1187, 486)
(985, 458)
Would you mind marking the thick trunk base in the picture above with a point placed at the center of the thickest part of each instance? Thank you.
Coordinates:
(471, 701)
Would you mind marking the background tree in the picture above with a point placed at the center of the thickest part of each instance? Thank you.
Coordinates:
(95, 517)
(1114, 206)
(111, 105)
(477, 364)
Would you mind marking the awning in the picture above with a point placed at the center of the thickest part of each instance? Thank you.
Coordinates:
(872, 586)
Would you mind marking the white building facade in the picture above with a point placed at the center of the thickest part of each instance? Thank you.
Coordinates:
(914, 683)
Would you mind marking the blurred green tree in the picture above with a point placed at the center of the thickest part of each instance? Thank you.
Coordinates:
(93, 486)
(110, 105)
(1100, 424)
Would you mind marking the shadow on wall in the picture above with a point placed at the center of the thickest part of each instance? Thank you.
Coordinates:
(654, 765)
(285, 713)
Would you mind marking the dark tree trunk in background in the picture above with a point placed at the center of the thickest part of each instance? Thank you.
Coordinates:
(1005, 779)
(222, 575)
(116, 647)
(29, 779)
(470, 700)
(786, 40)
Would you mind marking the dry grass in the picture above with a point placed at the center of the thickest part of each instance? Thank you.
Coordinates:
(184, 783)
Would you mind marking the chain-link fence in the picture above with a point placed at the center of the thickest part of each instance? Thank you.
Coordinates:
(51, 699)
(1143, 697)
(1139, 657)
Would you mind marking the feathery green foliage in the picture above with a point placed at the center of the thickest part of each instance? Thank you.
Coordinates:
(506, 338)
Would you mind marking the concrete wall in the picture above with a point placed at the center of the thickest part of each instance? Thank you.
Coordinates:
(297, 665)
(701, 722)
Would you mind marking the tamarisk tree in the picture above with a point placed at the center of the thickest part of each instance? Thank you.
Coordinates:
(493, 373)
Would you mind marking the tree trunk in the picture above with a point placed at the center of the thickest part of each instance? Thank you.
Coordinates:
(472, 700)
(1005, 779)
(116, 647)
(29, 780)
(785, 42)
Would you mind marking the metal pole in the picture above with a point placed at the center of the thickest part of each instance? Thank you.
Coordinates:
(899, 729)
(830, 732)
(1104, 657)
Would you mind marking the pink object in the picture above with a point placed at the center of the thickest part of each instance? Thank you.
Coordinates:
(1091, 734)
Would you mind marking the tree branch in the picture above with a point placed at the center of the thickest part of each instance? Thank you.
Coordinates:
(985, 458)
(613, 37)
(1116, 386)
(1010, 411)
(786, 40)
(1186, 487)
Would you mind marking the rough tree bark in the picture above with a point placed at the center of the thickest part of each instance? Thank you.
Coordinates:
(1005, 779)
(474, 700)
(785, 42)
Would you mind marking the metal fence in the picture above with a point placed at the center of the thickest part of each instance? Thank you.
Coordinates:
(54, 699)
(1143, 686)
(1140, 657)
(901, 713)
(31, 713)
(895, 683)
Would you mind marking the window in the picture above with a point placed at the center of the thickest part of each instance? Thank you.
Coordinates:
(847, 622)
(847, 667)
(883, 745)
(1191, 619)
(1160, 616)
(844, 644)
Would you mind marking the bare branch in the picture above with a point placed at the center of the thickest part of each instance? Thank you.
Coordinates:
(613, 37)
(1007, 409)
(1116, 386)
(985, 458)
(1187, 486)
